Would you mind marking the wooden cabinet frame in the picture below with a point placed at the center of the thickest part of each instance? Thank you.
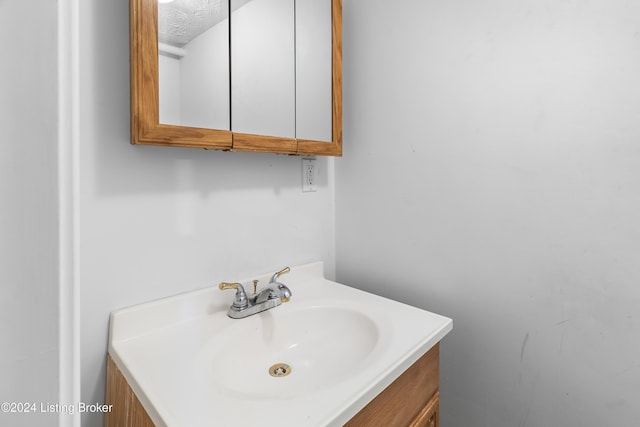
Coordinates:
(146, 128)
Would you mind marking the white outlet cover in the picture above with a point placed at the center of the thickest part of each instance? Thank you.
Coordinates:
(309, 175)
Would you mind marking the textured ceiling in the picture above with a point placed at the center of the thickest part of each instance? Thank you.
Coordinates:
(181, 21)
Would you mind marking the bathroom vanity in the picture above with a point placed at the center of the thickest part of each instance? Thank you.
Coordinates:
(341, 357)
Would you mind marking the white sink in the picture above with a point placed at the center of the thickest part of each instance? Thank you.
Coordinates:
(321, 346)
(190, 364)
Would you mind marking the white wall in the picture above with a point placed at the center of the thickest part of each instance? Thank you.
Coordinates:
(156, 221)
(491, 173)
(28, 209)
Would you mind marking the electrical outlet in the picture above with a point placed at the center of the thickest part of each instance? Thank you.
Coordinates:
(309, 175)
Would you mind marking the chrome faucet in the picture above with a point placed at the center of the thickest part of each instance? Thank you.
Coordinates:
(274, 294)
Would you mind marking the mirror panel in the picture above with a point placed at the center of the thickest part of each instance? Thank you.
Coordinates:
(193, 63)
(313, 69)
(263, 68)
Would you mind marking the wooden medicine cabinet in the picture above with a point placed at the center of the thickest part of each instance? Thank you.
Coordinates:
(241, 75)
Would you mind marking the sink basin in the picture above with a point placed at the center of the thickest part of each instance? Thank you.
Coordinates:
(321, 345)
(331, 349)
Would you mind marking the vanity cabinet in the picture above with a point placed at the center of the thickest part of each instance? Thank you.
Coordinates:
(264, 76)
(411, 400)
(127, 409)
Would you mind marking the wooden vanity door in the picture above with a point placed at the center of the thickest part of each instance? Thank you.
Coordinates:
(430, 414)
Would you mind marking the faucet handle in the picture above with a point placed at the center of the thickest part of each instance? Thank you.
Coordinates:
(278, 274)
(240, 301)
(227, 285)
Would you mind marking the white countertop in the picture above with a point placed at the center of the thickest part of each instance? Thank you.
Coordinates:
(170, 350)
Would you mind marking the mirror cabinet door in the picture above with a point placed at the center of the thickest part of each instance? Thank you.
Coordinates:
(146, 126)
(319, 77)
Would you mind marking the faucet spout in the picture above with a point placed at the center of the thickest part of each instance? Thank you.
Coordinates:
(274, 290)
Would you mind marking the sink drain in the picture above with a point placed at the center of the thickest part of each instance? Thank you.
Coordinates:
(279, 370)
